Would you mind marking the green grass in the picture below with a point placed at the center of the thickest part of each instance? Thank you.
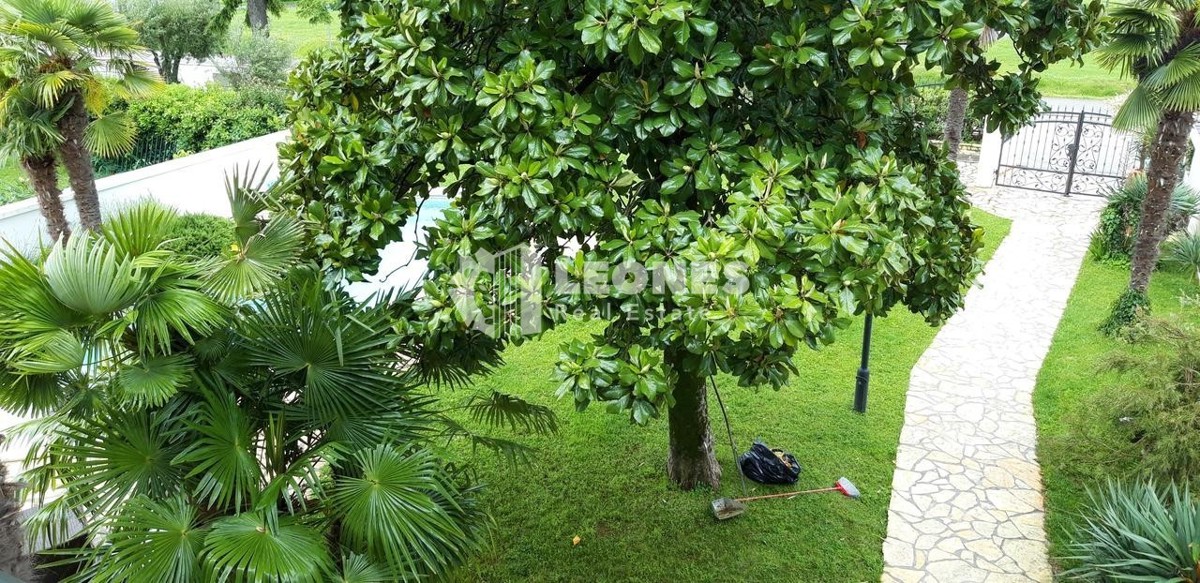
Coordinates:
(1073, 372)
(13, 185)
(1090, 81)
(297, 32)
(603, 480)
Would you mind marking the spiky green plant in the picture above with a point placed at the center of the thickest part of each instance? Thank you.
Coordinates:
(1183, 250)
(1138, 532)
(217, 419)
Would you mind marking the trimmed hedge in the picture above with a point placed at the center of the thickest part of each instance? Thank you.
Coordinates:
(202, 235)
(195, 120)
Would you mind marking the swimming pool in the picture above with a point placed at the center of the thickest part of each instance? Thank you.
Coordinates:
(398, 267)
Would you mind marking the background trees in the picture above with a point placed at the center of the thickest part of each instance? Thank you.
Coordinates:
(174, 29)
(1158, 42)
(50, 54)
(752, 136)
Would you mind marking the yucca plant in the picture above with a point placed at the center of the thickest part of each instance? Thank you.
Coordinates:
(229, 419)
(1115, 236)
(1183, 250)
(62, 62)
(1157, 42)
(1138, 532)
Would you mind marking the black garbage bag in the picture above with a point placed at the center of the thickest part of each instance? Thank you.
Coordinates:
(769, 466)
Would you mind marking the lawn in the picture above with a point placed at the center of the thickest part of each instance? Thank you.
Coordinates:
(297, 32)
(1072, 372)
(1090, 81)
(603, 480)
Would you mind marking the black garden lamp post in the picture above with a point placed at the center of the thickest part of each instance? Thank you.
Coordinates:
(864, 372)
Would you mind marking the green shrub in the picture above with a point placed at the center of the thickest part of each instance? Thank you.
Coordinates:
(1125, 312)
(201, 235)
(254, 60)
(1137, 532)
(1114, 238)
(1151, 417)
(1182, 250)
(195, 120)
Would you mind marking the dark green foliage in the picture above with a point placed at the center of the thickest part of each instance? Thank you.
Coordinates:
(1138, 532)
(1114, 238)
(1151, 415)
(756, 133)
(1126, 311)
(202, 236)
(194, 120)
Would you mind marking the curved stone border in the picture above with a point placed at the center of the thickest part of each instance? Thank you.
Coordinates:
(966, 495)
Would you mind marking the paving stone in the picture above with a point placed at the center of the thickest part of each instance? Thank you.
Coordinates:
(967, 492)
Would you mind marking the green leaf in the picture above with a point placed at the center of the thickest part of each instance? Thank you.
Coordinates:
(263, 548)
(149, 381)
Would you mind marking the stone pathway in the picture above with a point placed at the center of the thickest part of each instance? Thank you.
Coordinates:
(966, 495)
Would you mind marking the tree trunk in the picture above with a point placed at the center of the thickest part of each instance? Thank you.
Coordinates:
(691, 460)
(78, 161)
(256, 16)
(43, 176)
(13, 559)
(1170, 143)
(956, 114)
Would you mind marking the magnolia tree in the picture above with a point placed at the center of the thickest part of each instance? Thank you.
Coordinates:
(723, 182)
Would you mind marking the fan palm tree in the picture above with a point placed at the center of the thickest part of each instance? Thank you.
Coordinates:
(51, 53)
(231, 418)
(30, 135)
(1158, 43)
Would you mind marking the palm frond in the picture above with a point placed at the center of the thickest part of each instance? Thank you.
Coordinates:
(1185, 64)
(260, 262)
(106, 459)
(1182, 96)
(148, 381)
(48, 353)
(88, 275)
(262, 547)
(229, 474)
(400, 509)
(174, 313)
(359, 569)
(151, 540)
(111, 134)
(140, 228)
(1140, 112)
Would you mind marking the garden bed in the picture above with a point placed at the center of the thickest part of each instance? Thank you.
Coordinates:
(603, 480)
(1073, 372)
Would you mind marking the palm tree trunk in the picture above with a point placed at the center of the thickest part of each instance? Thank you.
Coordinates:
(43, 176)
(1170, 144)
(956, 114)
(78, 161)
(13, 559)
(256, 16)
(691, 460)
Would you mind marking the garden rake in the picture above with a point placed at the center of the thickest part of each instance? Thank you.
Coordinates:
(726, 508)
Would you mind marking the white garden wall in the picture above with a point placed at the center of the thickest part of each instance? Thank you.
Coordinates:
(192, 184)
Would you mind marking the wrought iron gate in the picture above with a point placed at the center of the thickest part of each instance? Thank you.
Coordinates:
(1067, 152)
